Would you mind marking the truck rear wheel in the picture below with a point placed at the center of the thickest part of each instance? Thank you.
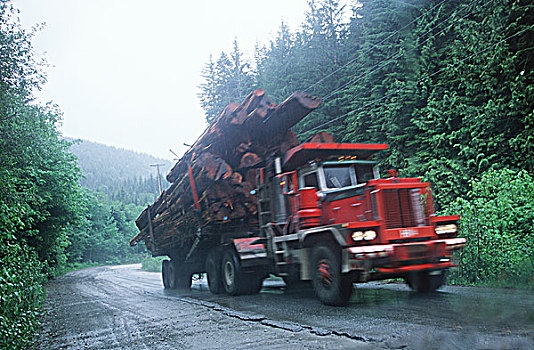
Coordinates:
(252, 283)
(182, 277)
(329, 284)
(426, 281)
(213, 268)
(165, 274)
(232, 278)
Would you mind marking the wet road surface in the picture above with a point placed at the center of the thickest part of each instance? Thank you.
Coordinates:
(124, 307)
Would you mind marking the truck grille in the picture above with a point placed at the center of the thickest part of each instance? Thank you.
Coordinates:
(404, 208)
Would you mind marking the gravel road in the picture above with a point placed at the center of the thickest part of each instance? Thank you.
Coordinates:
(123, 307)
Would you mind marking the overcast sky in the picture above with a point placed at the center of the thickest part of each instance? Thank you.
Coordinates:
(126, 72)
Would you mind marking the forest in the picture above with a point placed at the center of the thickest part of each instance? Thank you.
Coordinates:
(57, 210)
(447, 84)
(130, 177)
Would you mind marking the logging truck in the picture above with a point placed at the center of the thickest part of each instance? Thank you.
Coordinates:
(316, 211)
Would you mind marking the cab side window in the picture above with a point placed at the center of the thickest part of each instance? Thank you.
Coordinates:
(364, 172)
(310, 180)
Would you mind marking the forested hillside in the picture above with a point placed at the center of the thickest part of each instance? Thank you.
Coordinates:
(447, 84)
(121, 174)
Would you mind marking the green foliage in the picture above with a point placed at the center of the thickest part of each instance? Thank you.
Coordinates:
(38, 196)
(42, 178)
(152, 264)
(498, 223)
(447, 84)
(21, 294)
(46, 220)
(103, 235)
(227, 80)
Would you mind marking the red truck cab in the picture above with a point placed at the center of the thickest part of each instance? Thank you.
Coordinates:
(330, 219)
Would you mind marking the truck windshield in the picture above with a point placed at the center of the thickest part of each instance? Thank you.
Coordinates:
(337, 177)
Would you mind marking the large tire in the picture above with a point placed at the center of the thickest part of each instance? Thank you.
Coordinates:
(232, 278)
(252, 283)
(329, 284)
(213, 269)
(426, 281)
(165, 273)
(182, 277)
(170, 275)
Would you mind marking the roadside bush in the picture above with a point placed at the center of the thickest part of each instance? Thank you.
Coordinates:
(152, 264)
(498, 223)
(21, 273)
(21, 294)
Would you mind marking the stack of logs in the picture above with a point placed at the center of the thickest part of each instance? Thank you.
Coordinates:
(222, 163)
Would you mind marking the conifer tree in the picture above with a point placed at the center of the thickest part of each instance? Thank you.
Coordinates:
(228, 80)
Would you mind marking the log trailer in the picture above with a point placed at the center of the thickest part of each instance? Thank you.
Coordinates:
(322, 214)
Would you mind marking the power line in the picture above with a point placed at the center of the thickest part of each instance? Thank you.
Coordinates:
(420, 80)
(359, 78)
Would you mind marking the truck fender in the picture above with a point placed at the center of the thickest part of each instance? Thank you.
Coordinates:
(331, 232)
(307, 240)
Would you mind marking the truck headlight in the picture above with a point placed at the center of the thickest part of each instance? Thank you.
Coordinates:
(445, 229)
(357, 235)
(369, 235)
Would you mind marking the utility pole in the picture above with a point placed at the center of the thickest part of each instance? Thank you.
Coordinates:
(159, 176)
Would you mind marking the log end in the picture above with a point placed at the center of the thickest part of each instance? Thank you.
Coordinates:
(322, 137)
(307, 100)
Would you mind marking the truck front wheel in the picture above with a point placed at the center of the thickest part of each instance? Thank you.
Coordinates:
(231, 273)
(329, 284)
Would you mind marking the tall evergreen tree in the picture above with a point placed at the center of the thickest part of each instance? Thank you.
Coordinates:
(276, 67)
(228, 80)
(476, 100)
(447, 84)
(325, 52)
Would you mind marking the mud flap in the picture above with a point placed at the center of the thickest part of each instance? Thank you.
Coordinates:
(250, 252)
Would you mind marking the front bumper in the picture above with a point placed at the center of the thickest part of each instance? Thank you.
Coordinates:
(390, 260)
